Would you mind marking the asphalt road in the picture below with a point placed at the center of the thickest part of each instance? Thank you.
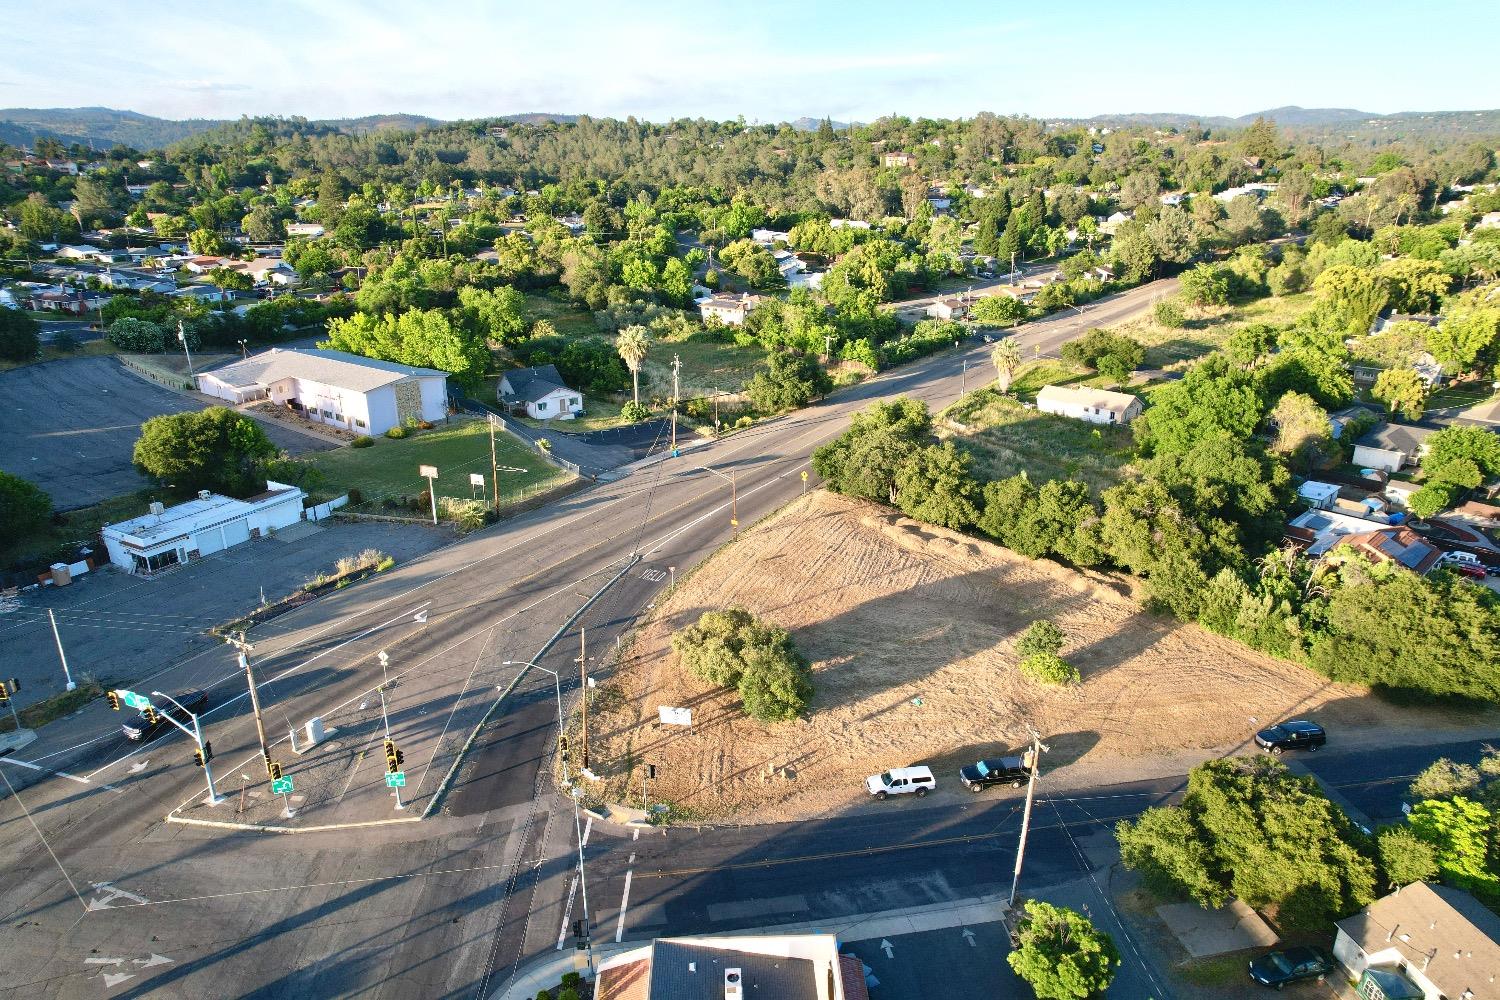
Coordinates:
(452, 906)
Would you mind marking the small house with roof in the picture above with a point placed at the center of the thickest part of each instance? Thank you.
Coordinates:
(1399, 546)
(1391, 446)
(1423, 942)
(1097, 406)
(540, 393)
(345, 390)
(730, 310)
(744, 967)
(167, 536)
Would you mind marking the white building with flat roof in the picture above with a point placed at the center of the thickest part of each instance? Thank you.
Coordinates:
(167, 536)
(359, 394)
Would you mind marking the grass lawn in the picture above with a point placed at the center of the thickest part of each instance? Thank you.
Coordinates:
(1208, 330)
(462, 447)
(570, 319)
(707, 364)
(80, 526)
(1004, 438)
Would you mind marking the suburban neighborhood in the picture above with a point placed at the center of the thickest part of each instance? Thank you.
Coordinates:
(815, 538)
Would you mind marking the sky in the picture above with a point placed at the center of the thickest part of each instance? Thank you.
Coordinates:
(767, 61)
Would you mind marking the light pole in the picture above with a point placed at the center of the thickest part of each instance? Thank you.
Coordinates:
(197, 735)
(244, 349)
(60, 654)
(583, 882)
(385, 717)
(734, 496)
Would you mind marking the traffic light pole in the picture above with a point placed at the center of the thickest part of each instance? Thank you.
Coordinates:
(197, 734)
(387, 719)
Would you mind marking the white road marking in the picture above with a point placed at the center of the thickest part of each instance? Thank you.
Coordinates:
(155, 959)
(636, 835)
(100, 960)
(588, 828)
(113, 979)
(61, 774)
(562, 932)
(624, 905)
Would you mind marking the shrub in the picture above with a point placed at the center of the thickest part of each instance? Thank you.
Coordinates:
(744, 421)
(385, 564)
(1169, 314)
(24, 507)
(1404, 857)
(731, 648)
(1096, 345)
(65, 342)
(1049, 668)
(634, 412)
(567, 993)
(396, 433)
(356, 497)
(18, 335)
(1040, 637)
(363, 441)
(1062, 955)
(426, 425)
(1444, 779)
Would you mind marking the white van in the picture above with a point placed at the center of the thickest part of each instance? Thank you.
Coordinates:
(916, 781)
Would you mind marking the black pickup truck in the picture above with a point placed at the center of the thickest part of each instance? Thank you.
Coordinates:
(978, 776)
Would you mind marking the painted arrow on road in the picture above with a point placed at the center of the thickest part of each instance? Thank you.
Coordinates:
(139, 765)
(155, 959)
(969, 937)
(888, 948)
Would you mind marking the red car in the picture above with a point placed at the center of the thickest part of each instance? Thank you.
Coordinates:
(1478, 571)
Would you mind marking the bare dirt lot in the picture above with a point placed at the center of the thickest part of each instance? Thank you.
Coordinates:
(910, 630)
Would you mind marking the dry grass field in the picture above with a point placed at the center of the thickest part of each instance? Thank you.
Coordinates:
(910, 630)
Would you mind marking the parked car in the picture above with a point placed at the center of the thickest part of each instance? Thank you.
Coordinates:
(1278, 968)
(1474, 570)
(138, 728)
(1295, 734)
(1459, 557)
(982, 774)
(916, 781)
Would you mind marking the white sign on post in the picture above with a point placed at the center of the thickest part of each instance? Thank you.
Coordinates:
(428, 472)
(476, 479)
(674, 716)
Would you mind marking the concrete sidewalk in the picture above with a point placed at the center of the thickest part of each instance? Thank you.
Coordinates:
(545, 971)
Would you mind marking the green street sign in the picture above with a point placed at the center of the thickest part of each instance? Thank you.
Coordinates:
(396, 780)
(281, 786)
(135, 700)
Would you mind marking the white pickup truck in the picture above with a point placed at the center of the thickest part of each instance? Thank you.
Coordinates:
(916, 781)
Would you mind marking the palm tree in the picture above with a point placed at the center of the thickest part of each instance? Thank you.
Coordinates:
(1006, 357)
(633, 343)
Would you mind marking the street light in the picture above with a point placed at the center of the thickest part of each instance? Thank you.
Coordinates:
(244, 349)
(734, 496)
(583, 882)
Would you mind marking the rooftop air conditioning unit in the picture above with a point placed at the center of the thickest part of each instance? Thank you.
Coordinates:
(204, 494)
(733, 988)
(157, 507)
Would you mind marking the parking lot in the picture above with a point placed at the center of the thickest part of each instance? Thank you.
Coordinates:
(70, 427)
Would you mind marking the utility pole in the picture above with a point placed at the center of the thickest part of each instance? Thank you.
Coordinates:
(1037, 746)
(494, 465)
(60, 654)
(965, 390)
(182, 336)
(583, 686)
(1012, 269)
(385, 717)
(676, 367)
(260, 727)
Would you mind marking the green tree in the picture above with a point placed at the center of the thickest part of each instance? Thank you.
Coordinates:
(1443, 779)
(1303, 434)
(1041, 636)
(934, 485)
(1205, 285)
(1402, 391)
(24, 508)
(999, 310)
(1212, 398)
(425, 339)
(1459, 831)
(1477, 448)
(789, 381)
(1405, 857)
(864, 460)
(1430, 500)
(18, 336)
(633, 343)
(496, 314)
(264, 224)
(226, 279)
(1006, 357)
(1354, 294)
(731, 648)
(215, 449)
(1061, 954)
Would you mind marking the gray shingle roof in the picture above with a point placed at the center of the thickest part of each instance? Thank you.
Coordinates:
(1404, 438)
(335, 368)
(527, 385)
(764, 976)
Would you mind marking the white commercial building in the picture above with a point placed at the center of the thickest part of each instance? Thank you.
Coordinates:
(331, 387)
(167, 536)
(745, 967)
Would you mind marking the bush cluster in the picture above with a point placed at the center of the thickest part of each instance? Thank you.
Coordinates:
(731, 648)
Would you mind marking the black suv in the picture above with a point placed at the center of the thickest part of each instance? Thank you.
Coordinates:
(139, 729)
(1298, 734)
(1278, 968)
(995, 771)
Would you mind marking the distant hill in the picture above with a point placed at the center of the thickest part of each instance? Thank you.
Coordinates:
(537, 118)
(811, 125)
(1315, 120)
(382, 123)
(97, 127)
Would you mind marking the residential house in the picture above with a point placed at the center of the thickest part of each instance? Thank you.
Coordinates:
(788, 263)
(1109, 224)
(898, 158)
(266, 271)
(848, 224)
(1489, 220)
(1173, 198)
(948, 309)
(203, 293)
(167, 536)
(541, 393)
(202, 265)
(1391, 446)
(730, 310)
(310, 230)
(137, 190)
(1397, 545)
(1316, 531)
(758, 967)
(1426, 941)
(1318, 496)
(333, 387)
(574, 223)
(1388, 319)
(769, 237)
(1340, 419)
(1097, 406)
(69, 300)
(82, 251)
(940, 205)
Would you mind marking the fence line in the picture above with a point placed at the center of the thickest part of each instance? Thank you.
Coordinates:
(175, 382)
(521, 433)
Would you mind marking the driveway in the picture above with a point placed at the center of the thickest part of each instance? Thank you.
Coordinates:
(70, 426)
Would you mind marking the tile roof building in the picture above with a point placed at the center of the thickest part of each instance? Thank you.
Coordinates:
(784, 967)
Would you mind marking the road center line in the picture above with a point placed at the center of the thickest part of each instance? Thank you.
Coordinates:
(624, 905)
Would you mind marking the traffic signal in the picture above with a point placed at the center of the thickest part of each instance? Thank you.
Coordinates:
(393, 757)
(4, 694)
(15, 685)
(204, 754)
(149, 714)
(562, 745)
(274, 770)
(114, 700)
